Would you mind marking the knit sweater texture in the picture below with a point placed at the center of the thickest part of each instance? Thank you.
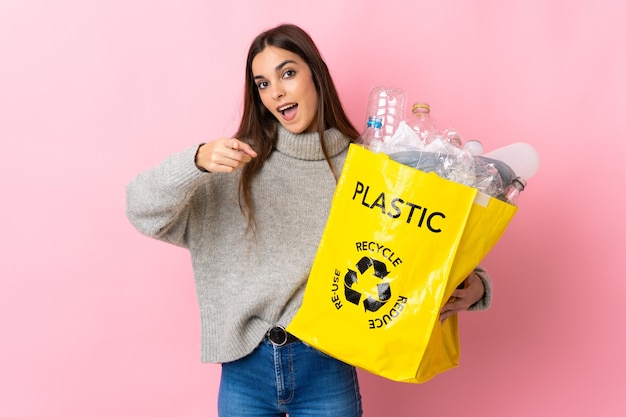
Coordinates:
(245, 283)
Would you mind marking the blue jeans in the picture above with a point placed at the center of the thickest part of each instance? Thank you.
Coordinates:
(293, 379)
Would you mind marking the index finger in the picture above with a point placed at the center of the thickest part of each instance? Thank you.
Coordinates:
(238, 145)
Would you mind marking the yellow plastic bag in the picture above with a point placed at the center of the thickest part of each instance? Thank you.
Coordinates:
(397, 242)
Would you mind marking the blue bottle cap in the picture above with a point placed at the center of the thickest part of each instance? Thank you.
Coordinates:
(375, 122)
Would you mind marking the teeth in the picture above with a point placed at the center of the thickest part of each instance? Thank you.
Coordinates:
(286, 107)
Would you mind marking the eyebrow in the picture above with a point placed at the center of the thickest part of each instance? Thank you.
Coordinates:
(278, 67)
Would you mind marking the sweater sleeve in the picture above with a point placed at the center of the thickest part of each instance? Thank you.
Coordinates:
(485, 302)
(158, 199)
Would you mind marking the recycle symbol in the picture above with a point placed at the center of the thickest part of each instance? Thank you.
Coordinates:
(377, 269)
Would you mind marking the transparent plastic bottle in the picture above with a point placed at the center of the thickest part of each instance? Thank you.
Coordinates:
(422, 123)
(388, 104)
(454, 137)
(372, 136)
(514, 189)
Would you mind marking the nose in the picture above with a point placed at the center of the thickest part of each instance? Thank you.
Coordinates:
(278, 92)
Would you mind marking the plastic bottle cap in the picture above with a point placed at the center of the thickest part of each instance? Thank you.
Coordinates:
(375, 122)
(519, 183)
(420, 108)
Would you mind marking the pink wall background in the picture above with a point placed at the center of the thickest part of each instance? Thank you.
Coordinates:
(97, 320)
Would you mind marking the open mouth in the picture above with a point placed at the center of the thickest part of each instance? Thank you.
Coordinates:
(289, 111)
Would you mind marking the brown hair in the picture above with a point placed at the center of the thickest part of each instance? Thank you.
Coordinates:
(258, 125)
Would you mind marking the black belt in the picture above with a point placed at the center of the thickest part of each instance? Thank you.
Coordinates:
(280, 337)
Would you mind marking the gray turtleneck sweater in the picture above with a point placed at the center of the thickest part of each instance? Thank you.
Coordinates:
(245, 284)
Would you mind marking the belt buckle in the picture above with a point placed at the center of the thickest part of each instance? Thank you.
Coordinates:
(277, 335)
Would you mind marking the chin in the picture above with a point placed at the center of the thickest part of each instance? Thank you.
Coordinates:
(294, 129)
(298, 128)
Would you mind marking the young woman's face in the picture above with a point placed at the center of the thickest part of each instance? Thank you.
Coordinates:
(286, 88)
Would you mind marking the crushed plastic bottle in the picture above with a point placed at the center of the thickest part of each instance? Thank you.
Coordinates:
(388, 104)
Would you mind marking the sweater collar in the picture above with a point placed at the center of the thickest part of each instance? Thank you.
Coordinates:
(307, 146)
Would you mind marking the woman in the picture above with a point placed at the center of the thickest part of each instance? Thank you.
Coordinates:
(251, 209)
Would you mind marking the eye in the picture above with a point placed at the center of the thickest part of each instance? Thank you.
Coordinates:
(262, 85)
(289, 74)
